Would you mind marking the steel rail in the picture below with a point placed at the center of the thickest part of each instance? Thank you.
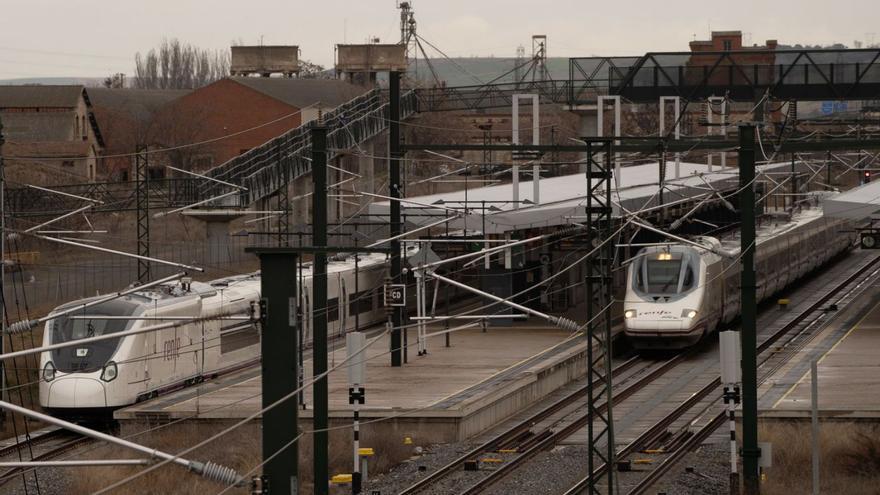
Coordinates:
(68, 446)
(509, 435)
(660, 426)
(706, 430)
(557, 436)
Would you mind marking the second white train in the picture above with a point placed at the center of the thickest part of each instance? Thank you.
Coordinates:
(678, 293)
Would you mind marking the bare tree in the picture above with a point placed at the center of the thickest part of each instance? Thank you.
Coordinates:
(309, 70)
(115, 81)
(176, 65)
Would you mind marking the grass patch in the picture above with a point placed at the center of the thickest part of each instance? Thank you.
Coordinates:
(241, 450)
(849, 458)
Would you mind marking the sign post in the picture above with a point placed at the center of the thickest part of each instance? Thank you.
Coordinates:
(355, 344)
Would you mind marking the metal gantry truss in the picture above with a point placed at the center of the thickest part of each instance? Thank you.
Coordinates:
(600, 426)
(142, 202)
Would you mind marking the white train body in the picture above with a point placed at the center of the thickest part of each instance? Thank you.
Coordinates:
(83, 380)
(677, 294)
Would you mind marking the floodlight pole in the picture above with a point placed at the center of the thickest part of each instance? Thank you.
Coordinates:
(750, 450)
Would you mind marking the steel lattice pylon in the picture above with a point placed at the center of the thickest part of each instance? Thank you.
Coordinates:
(600, 427)
(283, 204)
(142, 202)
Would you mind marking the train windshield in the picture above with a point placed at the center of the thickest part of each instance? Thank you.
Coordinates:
(665, 273)
(93, 356)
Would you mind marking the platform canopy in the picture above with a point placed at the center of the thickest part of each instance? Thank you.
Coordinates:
(856, 204)
(563, 199)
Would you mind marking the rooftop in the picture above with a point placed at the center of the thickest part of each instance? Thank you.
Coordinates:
(40, 96)
(301, 93)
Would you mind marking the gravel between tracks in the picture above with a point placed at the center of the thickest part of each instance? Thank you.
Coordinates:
(405, 474)
(553, 472)
(50, 481)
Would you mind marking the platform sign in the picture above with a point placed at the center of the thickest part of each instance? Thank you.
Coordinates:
(395, 295)
(355, 346)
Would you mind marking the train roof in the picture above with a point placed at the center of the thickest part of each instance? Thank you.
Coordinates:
(771, 226)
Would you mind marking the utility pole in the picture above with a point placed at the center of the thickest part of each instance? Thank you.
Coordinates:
(319, 314)
(750, 450)
(280, 371)
(398, 351)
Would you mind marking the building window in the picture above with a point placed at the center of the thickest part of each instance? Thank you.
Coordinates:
(67, 163)
(728, 45)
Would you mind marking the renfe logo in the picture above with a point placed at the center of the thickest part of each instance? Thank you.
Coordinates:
(658, 312)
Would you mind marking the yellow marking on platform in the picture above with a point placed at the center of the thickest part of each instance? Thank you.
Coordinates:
(491, 460)
(819, 361)
(643, 461)
(507, 451)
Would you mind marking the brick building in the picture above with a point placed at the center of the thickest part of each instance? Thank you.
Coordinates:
(126, 119)
(724, 61)
(740, 64)
(249, 110)
(51, 133)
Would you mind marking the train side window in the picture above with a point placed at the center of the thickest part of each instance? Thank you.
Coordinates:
(688, 279)
(238, 336)
(331, 310)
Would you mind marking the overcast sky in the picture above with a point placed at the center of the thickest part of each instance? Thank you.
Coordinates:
(41, 38)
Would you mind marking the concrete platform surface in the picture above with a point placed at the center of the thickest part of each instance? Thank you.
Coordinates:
(848, 353)
(479, 380)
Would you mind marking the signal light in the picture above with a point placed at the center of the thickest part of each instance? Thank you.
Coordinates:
(867, 176)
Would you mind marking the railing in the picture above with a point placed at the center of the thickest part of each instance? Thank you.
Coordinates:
(266, 168)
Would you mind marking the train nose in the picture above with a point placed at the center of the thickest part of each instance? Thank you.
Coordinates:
(76, 392)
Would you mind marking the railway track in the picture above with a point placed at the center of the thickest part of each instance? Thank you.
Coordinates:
(799, 332)
(47, 445)
(539, 431)
(517, 436)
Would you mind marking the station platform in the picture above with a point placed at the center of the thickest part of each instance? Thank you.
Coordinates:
(450, 394)
(848, 369)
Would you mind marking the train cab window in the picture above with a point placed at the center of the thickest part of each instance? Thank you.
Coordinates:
(665, 273)
(93, 356)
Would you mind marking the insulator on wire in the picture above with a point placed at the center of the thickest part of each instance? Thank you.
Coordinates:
(217, 473)
(21, 326)
(566, 324)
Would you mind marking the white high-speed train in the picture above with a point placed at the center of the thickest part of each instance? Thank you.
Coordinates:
(678, 293)
(89, 379)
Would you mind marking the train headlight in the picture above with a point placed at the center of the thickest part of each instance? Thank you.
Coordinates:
(49, 371)
(108, 374)
(630, 313)
(689, 313)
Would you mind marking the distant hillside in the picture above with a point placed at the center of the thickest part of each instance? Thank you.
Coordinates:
(85, 81)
